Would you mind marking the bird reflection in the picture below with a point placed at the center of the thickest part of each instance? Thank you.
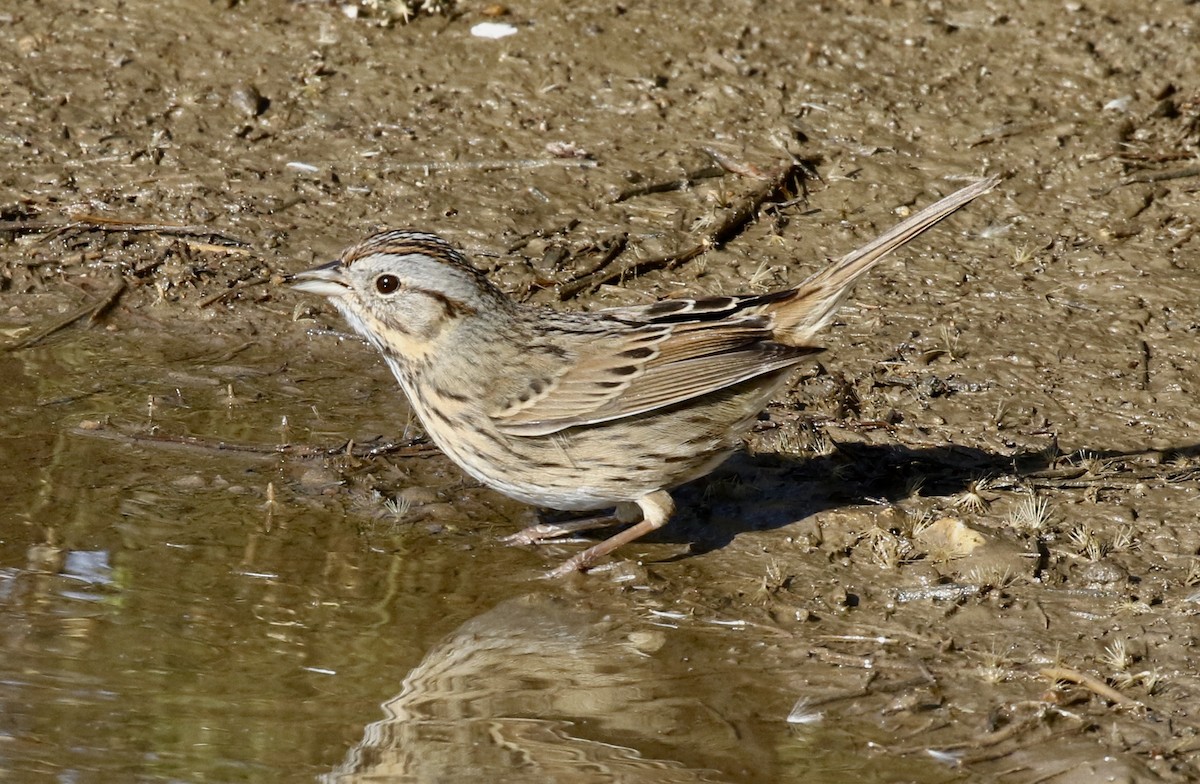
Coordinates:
(534, 690)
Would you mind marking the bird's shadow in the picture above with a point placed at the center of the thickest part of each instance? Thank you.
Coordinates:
(756, 492)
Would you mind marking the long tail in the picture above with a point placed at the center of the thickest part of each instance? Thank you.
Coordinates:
(799, 317)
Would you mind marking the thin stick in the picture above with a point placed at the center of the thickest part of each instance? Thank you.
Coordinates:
(491, 165)
(1088, 682)
(981, 741)
(410, 448)
(1151, 177)
(232, 290)
(93, 310)
(1179, 174)
(210, 247)
(573, 287)
(731, 164)
(733, 223)
(104, 223)
(666, 186)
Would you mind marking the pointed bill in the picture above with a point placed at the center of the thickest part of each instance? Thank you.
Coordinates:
(326, 280)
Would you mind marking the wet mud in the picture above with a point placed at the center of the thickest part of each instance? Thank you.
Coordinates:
(962, 546)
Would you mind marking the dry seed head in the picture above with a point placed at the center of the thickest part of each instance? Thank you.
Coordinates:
(1089, 543)
(804, 713)
(1002, 407)
(762, 275)
(1193, 573)
(992, 669)
(887, 549)
(950, 339)
(913, 486)
(1031, 513)
(920, 523)
(398, 507)
(1116, 657)
(1022, 254)
(1126, 539)
(1152, 680)
(1133, 606)
(973, 499)
(990, 576)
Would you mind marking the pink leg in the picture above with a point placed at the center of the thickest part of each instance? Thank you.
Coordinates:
(656, 509)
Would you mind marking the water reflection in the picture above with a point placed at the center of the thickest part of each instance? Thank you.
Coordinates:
(155, 621)
(175, 613)
(534, 690)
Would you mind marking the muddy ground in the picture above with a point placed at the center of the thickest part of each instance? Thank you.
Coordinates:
(962, 548)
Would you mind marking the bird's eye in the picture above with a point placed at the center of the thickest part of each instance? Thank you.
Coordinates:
(386, 284)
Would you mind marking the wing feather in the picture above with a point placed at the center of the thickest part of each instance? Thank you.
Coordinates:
(631, 371)
(627, 361)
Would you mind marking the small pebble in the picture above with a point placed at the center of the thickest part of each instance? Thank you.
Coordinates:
(314, 480)
(1102, 573)
(441, 512)
(418, 496)
(493, 30)
(248, 100)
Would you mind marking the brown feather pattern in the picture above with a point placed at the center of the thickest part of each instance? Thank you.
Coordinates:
(582, 410)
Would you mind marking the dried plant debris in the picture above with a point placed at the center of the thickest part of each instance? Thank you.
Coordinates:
(387, 12)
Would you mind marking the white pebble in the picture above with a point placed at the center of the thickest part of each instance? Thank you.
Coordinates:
(493, 30)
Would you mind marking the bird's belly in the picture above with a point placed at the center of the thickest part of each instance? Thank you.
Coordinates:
(595, 485)
(600, 465)
(593, 467)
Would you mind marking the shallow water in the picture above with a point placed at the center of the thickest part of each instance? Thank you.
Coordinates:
(980, 497)
(169, 618)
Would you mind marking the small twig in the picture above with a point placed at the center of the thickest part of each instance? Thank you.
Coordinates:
(578, 284)
(1088, 682)
(869, 688)
(1144, 381)
(189, 442)
(525, 238)
(66, 399)
(981, 741)
(725, 230)
(1179, 174)
(1049, 740)
(666, 186)
(104, 223)
(226, 355)
(1151, 177)
(232, 290)
(210, 247)
(731, 164)
(491, 164)
(409, 448)
(93, 310)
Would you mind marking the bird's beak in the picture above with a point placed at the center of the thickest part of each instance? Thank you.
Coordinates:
(326, 280)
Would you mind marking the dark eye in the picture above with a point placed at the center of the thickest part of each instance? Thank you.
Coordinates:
(386, 284)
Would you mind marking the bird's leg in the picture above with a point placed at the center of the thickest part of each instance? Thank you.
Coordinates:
(540, 533)
(656, 509)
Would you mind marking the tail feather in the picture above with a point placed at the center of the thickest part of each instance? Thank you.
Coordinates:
(799, 317)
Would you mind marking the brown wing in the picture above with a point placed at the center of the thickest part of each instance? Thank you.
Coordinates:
(632, 368)
(635, 360)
